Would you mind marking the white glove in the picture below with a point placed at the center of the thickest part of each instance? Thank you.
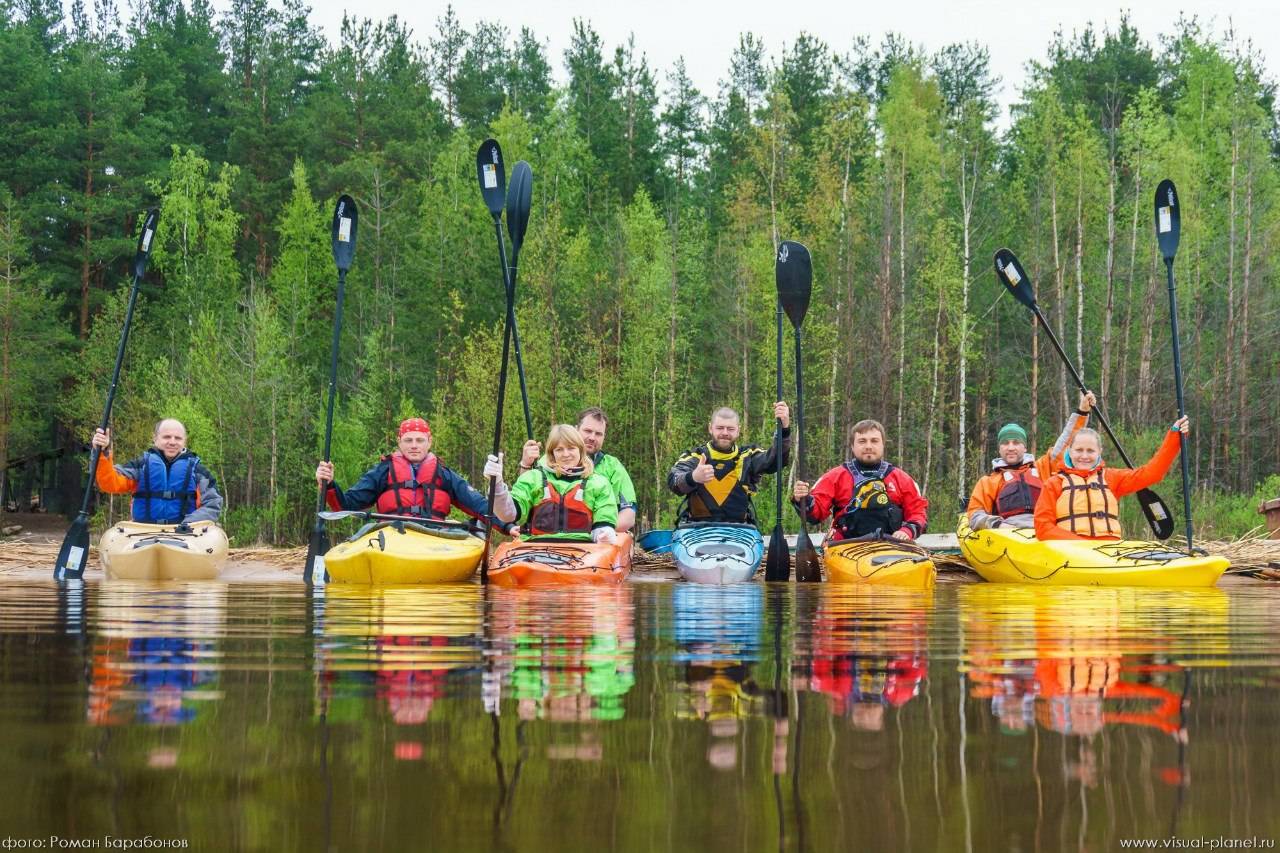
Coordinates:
(607, 535)
(493, 466)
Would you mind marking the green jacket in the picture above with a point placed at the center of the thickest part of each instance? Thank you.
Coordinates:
(612, 470)
(597, 494)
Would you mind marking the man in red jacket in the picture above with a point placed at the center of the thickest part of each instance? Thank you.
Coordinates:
(868, 497)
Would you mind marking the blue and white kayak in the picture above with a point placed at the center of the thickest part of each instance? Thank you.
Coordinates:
(717, 552)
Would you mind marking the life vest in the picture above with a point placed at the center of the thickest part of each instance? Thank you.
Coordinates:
(1019, 492)
(407, 494)
(1087, 506)
(166, 493)
(870, 509)
(725, 497)
(557, 513)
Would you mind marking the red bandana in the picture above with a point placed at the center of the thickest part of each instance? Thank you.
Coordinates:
(414, 425)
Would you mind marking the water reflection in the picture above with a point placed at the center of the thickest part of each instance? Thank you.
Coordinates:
(154, 659)
(868, 651)
(749, 717)
(717, 635)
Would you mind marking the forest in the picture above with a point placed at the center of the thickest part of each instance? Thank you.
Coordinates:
(646, 282)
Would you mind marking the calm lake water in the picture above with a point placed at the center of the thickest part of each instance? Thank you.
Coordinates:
(654, 716)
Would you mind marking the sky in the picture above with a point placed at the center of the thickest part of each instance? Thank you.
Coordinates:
(705, 33)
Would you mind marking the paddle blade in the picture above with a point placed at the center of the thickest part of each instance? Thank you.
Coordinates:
(808, 569)
(143, 254)
(74, 553)
(313, 571)
(345, 220)
(519, 200)
(777, 566)
(793, 273)
(1011, 274)
(492, 175)
(1168, 219)
(1157, 513)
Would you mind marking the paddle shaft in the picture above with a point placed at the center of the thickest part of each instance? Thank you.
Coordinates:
(95, 452)
(1075, 374)
(1182, 406)
(502, 387)
(333, 388)
(509, 281)
(777, 429)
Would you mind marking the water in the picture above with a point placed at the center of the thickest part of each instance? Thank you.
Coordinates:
(654, 716)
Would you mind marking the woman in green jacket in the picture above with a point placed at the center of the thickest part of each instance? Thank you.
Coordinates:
(560, 496)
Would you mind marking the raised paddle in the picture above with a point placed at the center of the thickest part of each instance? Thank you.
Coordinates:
(492, 174)
(346, 218)
(1168, 232)
(1011, 274)
(794, 275)
(75, 545)
(777, 566)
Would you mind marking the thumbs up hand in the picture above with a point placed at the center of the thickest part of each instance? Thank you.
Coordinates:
(703, 472)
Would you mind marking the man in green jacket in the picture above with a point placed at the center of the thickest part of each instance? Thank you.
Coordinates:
(592, 423)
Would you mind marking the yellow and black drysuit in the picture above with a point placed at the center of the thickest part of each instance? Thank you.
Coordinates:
(727, 496)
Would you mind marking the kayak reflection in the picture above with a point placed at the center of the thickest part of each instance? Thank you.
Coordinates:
(405, 646)
(155, 660)
(868, 650)
(565, 655)
(717, 634)
(1075, 661)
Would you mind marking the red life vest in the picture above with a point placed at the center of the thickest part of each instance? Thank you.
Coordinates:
(1019, 493)
(557, 513)
(406, 494)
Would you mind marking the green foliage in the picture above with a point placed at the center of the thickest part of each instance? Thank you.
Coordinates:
(645, 282)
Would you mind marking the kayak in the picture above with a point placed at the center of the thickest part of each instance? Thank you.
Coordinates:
(400, 552)
(552, 562)
(1014, 555)
(158, 552)
(717, 552)
(656, 541)
(879, 561)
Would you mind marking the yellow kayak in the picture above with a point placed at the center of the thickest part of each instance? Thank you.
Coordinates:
(405, 552)
(158, 552)
(879, 561)
(1014, 555)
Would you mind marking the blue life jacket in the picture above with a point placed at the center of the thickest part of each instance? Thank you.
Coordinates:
(166, 493)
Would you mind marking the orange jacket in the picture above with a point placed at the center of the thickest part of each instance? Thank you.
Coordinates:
(1121, 481)
(984, 494)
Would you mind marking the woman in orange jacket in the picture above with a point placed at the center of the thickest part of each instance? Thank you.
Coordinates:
(1081, 501)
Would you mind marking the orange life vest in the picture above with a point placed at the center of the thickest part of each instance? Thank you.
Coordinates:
(1087, 506)
(557, 513)
(406, 494)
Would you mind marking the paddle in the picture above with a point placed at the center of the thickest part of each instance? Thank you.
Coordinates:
(777, 566)
(346, 218)
(794, 275)
(1011, 274)
(491, 174)
(1168, 232)
(75, 545)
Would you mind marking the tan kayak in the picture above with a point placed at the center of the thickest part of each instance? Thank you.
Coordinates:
(156, 552)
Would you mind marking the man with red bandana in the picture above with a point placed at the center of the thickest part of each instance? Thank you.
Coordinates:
(413, 482)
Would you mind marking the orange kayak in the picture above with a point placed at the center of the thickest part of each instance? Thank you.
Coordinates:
(544, 562)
